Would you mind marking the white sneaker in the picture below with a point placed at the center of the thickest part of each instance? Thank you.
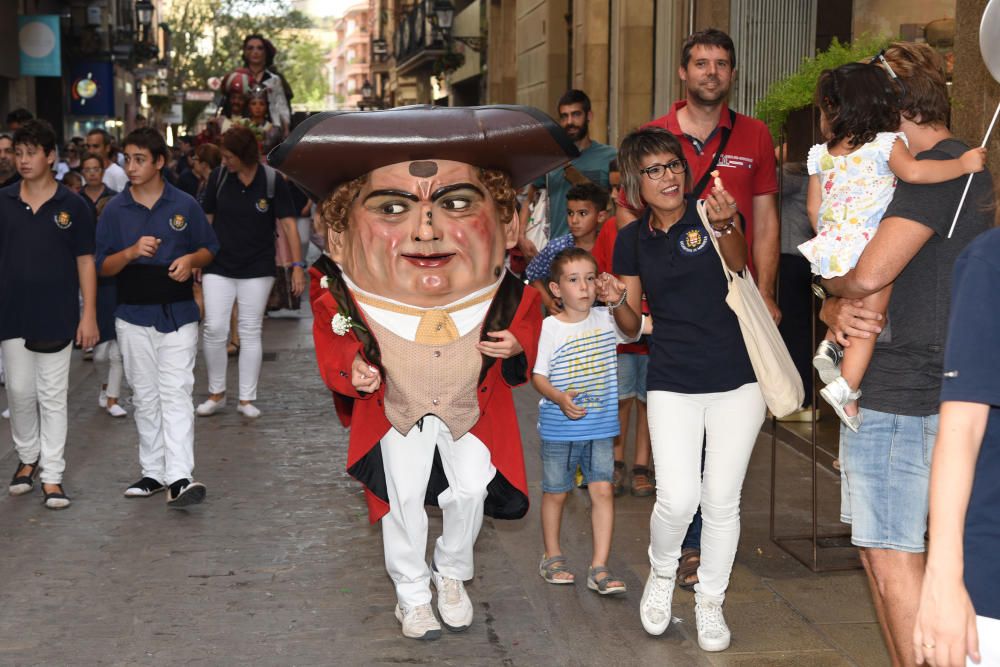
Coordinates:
(248, 410)
(454, 604)
(210, 407)
(838, 394)
(418, 622)
(655, 607)
(102, 398)
(713, 633)
(116, 410)
(6, 413)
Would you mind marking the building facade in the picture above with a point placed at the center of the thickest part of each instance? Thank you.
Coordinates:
(350, 61)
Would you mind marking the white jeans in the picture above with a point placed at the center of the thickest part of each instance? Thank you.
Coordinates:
(408, 460)
(37, 385)
(109, 352)
(251, 296)
(160, 368)
(678, 424)
(989, 642)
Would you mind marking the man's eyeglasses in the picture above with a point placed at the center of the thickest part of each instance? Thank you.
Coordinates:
(656, 171)
(879, 59)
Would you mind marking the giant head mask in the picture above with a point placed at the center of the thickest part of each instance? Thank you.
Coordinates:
(419, 201)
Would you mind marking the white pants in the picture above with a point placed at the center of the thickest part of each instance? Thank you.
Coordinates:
(109, 352)
(251, 296)
(160, 368)
(37, 384)
(989, 642)
(678, 424)
(408, 460)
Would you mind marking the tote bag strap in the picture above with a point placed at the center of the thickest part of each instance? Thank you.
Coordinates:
(700, 204)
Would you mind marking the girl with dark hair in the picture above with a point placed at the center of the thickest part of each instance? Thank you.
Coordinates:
(245, 201)
(851, 181)
(258, 56)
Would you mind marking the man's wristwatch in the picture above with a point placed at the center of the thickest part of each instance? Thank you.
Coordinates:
(301, 265)
(817, 288)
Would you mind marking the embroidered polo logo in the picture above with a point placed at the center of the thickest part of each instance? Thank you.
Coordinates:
(693, 241)
(63, 220)
(262, 205)
(178, 223)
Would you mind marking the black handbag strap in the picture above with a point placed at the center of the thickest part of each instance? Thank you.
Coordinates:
(726, 131)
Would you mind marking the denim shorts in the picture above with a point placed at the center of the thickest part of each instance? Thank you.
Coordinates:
(885, 473)
(560, 459)
(632, 375)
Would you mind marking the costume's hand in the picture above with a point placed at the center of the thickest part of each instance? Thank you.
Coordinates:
(846, 318)
(180, 269)
(87, 333)
(772, 307)
(946, 621)
(145, 247)
(364, 377)
(528, 248)
(569, 408)
(505, 348)
(609, 288)
(298, 280)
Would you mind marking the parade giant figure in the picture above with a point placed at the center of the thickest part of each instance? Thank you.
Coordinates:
(420, 332)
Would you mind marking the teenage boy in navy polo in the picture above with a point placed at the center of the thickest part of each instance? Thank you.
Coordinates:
(152, 236)
(46, 260)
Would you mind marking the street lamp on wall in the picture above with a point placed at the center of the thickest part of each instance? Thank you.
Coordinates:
(144, 15)
(443, 18)
(366, 90)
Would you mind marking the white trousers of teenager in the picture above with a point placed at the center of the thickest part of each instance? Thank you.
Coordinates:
(251, 296)
(988, 630)
(37, 384)
(109, 353)
(160, 368)
(728, 422)
(407, 460)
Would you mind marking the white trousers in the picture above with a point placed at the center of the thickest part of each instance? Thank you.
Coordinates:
(37, 384)
(678, 425)
(160, 369)
(989, 642)
(251, 295)
(109, 353)
(408, 460)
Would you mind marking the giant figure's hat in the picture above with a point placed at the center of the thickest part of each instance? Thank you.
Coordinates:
(334, 147)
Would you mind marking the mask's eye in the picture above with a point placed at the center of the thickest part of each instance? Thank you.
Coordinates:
(456, 203)
(393, 208)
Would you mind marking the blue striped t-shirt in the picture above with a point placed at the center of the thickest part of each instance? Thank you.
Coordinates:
(580, 356)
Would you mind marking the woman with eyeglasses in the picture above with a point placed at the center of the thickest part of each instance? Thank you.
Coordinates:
(699, 381)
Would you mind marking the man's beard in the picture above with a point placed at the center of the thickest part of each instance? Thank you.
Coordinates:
(719, 95)
(582, 130)
(6, 170)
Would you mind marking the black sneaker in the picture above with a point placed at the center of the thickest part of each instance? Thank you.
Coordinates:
(144, 488)
(184, 492)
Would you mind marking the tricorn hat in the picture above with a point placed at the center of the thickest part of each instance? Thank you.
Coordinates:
(335, 147)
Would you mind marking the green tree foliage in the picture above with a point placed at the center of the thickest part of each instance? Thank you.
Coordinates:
(208, 40)
(796, 91)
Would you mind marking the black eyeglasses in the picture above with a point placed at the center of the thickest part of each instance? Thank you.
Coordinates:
(656, 171)
(879, 59)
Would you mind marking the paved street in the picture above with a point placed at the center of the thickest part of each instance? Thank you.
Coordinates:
(280, 566)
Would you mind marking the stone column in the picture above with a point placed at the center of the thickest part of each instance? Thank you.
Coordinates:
(591, 55)
(974, 92)
(634, 65)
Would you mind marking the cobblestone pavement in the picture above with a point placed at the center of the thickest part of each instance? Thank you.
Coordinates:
(280, 566)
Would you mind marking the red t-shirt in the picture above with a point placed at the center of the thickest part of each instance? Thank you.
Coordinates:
(604, 252)
(747, 167)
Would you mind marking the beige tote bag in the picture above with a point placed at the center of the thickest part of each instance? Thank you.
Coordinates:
(776, 374)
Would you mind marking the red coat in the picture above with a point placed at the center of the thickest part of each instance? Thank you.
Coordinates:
(515, 307)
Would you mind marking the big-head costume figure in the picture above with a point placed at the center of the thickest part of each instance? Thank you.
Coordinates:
(420, 332)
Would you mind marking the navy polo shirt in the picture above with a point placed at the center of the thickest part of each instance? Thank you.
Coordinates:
(245, 223)
(39, 279)
(180, 224)
(696, 346)
(972, 374)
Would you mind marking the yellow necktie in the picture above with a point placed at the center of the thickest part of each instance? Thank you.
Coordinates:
(436, 328)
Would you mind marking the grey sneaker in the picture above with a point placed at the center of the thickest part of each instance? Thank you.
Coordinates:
(418, 622)
(655, 607)
(713, 633)
(827, 360)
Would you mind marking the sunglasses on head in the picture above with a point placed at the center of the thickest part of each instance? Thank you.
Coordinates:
(879, 59)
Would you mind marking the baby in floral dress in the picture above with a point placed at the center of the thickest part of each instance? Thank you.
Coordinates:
(851, 182)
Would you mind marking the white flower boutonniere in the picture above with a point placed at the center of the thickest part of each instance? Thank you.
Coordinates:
(324, 282)
(341, 325)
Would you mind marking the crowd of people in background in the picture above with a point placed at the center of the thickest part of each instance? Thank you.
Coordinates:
(206, 232)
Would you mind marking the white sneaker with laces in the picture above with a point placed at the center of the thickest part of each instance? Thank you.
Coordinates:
(657, 599)
(418, 622)
(102, 398)
(839, 394)
(454, 604)
(248, 410)
(210, 407)
(116, 410)
(713, 633)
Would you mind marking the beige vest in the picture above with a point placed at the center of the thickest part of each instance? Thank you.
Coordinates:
(435, 379)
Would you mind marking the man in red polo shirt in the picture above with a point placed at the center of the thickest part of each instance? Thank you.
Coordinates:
(702, 122)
